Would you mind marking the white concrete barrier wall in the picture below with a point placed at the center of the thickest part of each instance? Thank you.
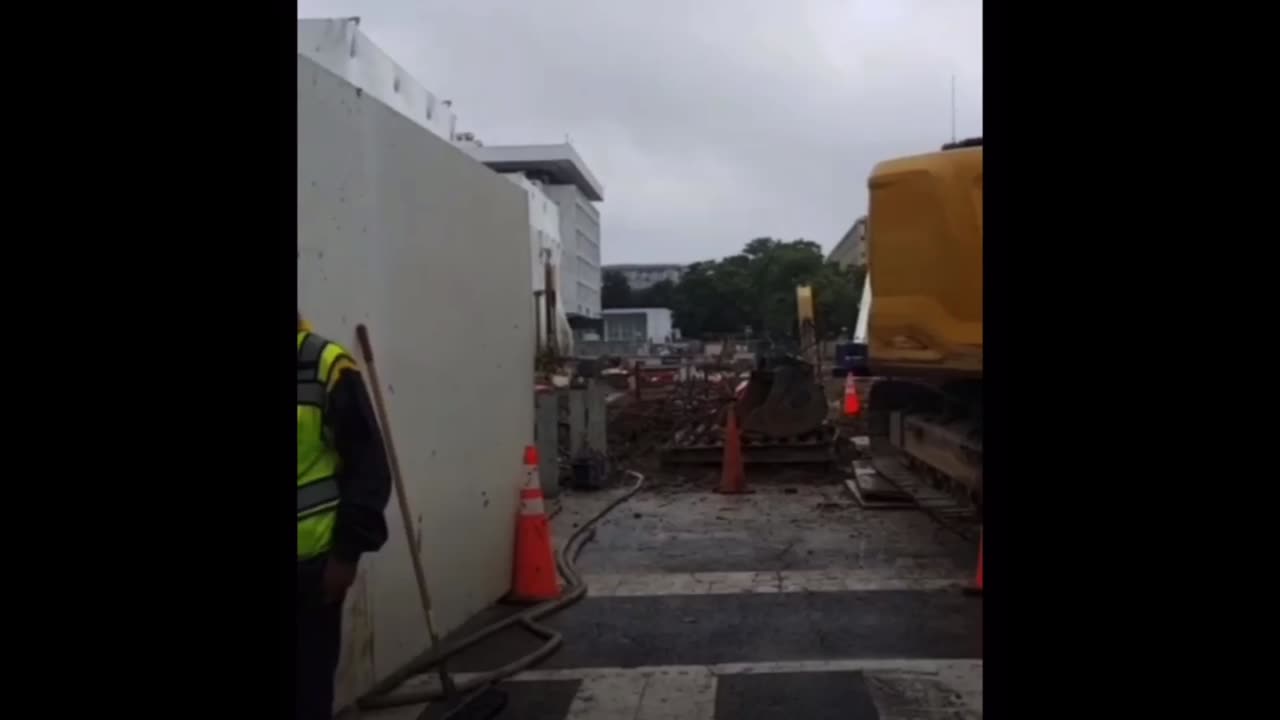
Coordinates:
(337, 45)
(404, 232)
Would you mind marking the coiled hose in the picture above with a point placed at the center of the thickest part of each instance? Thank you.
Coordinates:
(383, 695)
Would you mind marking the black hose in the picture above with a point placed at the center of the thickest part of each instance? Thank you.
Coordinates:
(382, 694)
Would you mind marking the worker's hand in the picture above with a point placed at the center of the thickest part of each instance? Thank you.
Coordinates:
(338, 576)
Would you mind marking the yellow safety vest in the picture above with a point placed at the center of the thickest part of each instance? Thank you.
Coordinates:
(318, 463)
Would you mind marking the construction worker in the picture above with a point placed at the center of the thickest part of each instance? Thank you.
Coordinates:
(343, 486)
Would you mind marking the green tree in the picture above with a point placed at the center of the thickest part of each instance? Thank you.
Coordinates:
(615, 291)
(836, 293)
(757, 288)
(660, 294)
(698, 301)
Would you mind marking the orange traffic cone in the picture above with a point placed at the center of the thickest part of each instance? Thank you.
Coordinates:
(976, 588)
(979, 562)
(534, 576)
(851, 405)
(733, 478)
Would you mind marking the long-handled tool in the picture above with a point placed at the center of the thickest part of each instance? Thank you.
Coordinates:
(485, 702)
(366, 350)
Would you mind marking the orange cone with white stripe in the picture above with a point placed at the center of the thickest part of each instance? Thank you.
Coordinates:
(733, 478)
(851, 405)
(534, 576)
(978, 581)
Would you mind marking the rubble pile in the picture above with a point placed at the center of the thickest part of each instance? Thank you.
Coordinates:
(639, 427)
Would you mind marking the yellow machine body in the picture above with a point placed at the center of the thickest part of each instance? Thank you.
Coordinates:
(925, 260)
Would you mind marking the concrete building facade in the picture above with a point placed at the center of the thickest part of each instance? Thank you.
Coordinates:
(851, 251)
(580, 235)
(641, 276)
(567, 181)
(544, 227)
(545, 247)
(652, 325)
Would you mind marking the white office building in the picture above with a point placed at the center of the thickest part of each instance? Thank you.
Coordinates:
(580, 235)
(544, 227)
(639, 325)
(565, 179)
(545, 248)
(851, 251)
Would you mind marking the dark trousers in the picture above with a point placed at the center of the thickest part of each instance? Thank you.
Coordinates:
(319, 640)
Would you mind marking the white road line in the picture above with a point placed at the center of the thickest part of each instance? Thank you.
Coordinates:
(786, 581)
(967, 668)
(900, 688)
(688, 692)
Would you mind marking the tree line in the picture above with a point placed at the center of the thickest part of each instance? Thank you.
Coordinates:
(752, 293)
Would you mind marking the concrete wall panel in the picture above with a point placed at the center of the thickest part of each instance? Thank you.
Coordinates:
(402, 231)
(338, 46)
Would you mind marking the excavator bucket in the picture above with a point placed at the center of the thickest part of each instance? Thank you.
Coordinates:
(783, 401)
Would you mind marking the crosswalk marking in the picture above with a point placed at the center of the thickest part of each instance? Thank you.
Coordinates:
(969, 670)
(785, 581)
(688, 692)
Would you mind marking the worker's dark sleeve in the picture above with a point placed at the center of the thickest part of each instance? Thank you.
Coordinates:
(364, 482)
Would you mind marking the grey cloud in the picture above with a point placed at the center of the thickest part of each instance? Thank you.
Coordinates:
(709, 122)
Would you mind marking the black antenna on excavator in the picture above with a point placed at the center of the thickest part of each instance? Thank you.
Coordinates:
(953, 108)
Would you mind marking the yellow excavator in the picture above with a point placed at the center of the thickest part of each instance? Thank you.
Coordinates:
(924, 326)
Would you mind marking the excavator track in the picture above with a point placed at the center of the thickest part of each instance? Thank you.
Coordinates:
(933, 430)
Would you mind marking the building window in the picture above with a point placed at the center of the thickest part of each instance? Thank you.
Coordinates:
(587, 246)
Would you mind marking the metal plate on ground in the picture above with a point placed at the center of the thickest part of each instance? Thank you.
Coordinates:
(789, 696)
(904, 696)
(892, 470)
(526, 700)
(872, 492)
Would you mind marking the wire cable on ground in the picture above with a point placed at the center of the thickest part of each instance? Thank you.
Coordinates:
(384, 695)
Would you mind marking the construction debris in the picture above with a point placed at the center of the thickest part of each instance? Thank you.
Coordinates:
(640, 423)
(680, 412)
(706, 448)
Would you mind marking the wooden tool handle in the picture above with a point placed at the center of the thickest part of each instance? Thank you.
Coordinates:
(375, 389)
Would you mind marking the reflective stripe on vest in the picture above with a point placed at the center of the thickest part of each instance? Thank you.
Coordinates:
(318, 464)
(317, 495)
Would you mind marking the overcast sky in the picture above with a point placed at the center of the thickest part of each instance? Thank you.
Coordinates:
(709, 122)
